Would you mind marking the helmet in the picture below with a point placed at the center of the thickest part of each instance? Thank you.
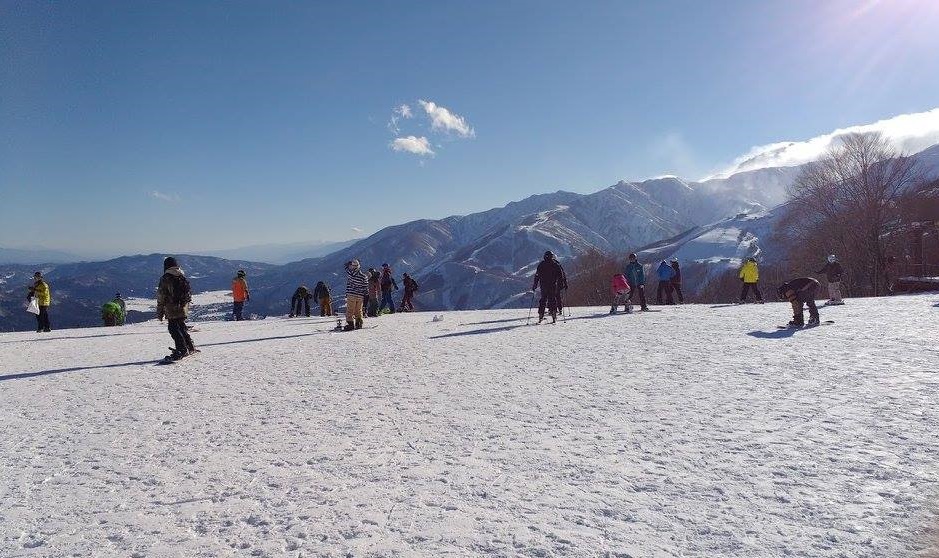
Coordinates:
(384, 265)
(548, 255)
(169, 262)
(37, 274)
(675, 259)
(632, 256)
(241, 273)
(832, 258)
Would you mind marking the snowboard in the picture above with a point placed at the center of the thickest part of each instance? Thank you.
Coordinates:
(334, 330)
(826, 322)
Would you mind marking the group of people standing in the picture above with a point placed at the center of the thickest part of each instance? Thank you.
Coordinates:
(370, 293)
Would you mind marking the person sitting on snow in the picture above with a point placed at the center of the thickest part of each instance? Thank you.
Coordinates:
(800, 292)
(619, 288)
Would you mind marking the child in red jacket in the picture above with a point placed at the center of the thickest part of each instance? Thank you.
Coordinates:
(619, 289)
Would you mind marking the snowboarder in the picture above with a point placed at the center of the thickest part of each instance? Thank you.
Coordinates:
(387, 283)
(676, 281)
(548, 275)
(410, 287)
(120, 302)
(112, 314)
(173, 297)
(619, 289)
(240, 294)
(374, 292)
(665, 273)
(43, 295)
(833, 272)
(801, 292)
(356, 289)
(301, 298)
(321, 294)
(749, 275)
(636, 277)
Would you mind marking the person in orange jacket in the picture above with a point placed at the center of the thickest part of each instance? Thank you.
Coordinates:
(239, 291)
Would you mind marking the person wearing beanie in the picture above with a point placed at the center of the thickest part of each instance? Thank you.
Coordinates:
(356, 289)
(173, 297)
(240, 294)
(43, 295)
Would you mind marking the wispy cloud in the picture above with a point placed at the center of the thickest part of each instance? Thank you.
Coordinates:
(413, 144)
(357, 229)
(169, 198)
(441, 119)
(399, 112)
(908, 133)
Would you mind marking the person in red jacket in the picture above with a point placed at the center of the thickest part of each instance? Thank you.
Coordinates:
(239, 292)
(620, 291)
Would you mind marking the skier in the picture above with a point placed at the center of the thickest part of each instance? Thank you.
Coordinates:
(240, 294)
(619, 288)
(120, 302)
(387, 282)
(636, 277)
(301, 297)
(43, 295)
(798, 292)
(410, 287)
(321, 294)
(356, 289)
(548, 275)
(832, 270)
(749, 276)
(374, 292)
(112, 314)
(676, 281)
(173, 297)
(665, 273)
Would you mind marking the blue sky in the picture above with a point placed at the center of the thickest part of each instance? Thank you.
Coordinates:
(183, 126)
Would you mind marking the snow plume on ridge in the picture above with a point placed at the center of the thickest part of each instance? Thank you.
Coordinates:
(441, 119)
(413, 144)
(908, 133)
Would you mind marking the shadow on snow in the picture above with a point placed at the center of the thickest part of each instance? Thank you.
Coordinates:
(777, 334)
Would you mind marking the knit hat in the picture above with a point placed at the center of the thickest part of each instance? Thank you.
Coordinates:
(241, 273)
(169, 262)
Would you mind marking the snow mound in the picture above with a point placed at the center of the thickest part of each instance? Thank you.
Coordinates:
(691, 431)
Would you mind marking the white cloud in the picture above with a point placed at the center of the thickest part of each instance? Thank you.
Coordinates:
(171, 198)
(357, 229)
(399, 112)
(908, 133)
(441, 119)
(413, 144)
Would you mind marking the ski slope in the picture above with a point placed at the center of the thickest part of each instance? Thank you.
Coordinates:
(692, 431)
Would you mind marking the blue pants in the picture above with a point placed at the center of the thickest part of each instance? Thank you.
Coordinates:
(239, 306)
(386, 299)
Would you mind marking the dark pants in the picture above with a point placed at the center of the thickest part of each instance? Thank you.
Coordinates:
(238, 307)
(297, 302)
(664, 287)
(42, 319)
(677, 287)
(386, 299)
(805, 297)
(746, 289)
(407, 303)
(549, 299)
(642, 295)
(180, 335)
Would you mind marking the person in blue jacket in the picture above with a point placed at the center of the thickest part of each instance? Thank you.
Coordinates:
(637, 280)
(665, 273)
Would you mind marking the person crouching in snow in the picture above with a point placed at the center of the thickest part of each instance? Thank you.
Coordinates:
(619, 288)
(833, 273)
(356, 289)
(801, 292)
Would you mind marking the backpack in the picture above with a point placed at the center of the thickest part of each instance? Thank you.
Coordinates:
(182, 291)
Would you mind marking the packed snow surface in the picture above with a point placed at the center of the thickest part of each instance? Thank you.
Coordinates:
(690, 431)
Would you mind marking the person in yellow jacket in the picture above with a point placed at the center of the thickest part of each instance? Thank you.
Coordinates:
(40, 291)
(239, 291)
(750, 276)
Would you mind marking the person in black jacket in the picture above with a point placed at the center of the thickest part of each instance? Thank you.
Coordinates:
(549, 275)
(801, 292)
(833, 273)
(301, 297)
(676, 281)
(321, 294)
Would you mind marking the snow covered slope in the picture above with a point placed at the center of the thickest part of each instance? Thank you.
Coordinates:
(694, 431)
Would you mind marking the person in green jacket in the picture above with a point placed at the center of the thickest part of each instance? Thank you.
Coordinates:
(112, 314)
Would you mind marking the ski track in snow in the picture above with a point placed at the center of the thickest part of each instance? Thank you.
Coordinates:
(687, 432)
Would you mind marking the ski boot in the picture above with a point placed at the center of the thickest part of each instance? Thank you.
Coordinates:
(350, 326)
(813, 321)
(358, 323)
(612, 310)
